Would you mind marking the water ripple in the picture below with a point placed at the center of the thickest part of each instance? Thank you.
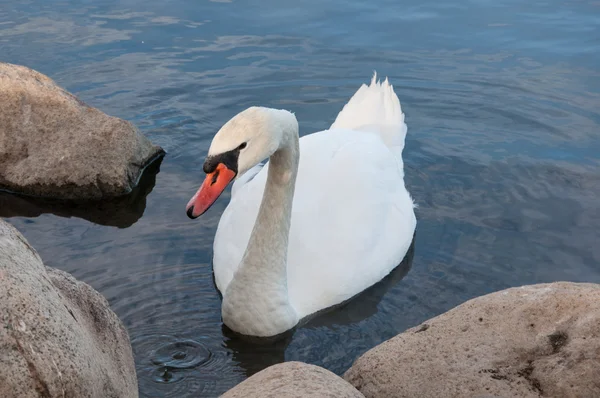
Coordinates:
(181, 354)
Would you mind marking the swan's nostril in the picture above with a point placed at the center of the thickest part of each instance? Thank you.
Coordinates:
(215, 177)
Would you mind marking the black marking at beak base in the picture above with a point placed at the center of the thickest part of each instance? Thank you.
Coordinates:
(229, 159)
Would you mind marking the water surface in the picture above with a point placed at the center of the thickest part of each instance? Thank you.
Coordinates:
(502, 102)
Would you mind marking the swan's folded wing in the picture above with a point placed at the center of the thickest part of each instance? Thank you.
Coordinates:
(352, 220)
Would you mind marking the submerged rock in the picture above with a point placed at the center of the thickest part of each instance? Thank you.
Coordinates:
(293, 380)
(54, 145)
(58, 336)
(533, 341)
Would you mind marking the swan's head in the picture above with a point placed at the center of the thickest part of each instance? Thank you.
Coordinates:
(243, 142)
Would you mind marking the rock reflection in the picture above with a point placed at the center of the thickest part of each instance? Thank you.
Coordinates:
(121, 212)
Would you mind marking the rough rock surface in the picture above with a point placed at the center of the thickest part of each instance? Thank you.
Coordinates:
(293, 380)
(533, 341)
(58, 336)
(54, 145)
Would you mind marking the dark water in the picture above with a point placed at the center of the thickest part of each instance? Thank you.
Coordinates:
(502, 101)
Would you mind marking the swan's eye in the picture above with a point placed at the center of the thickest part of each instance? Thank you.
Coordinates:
(243, 145)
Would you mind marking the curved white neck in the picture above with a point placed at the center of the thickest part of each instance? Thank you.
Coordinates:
(256, 301)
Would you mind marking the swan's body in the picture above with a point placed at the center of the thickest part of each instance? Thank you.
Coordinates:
(350, 218)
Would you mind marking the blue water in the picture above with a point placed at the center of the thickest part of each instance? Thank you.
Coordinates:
(502, 102)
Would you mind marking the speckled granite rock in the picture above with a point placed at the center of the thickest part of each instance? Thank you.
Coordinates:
(293, 380)
(533, 341)
(58, 336)
(54, 145)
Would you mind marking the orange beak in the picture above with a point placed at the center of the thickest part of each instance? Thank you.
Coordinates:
(212, 187)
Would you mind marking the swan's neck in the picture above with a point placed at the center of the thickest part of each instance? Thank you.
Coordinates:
(256, 301)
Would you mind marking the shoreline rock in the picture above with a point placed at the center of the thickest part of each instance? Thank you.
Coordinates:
(121, 212)
(293, 380)
(53, 145)
(58, 336)
(531, 341)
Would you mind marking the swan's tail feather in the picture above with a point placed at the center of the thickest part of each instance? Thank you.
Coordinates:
(376, 108)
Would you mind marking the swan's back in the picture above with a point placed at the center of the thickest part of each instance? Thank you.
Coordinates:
(352, 217)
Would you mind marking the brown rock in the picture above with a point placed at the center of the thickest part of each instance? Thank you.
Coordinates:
(122, 211)
(58, 336)
(54, 145)
(533, 341)
(293, 380)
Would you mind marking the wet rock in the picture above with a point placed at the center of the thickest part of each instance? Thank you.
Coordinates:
(533, 341)
(293, 380)
(122, 211)
(58, 336)
(54, 145)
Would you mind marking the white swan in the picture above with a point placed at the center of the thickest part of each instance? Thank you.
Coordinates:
(325, 218)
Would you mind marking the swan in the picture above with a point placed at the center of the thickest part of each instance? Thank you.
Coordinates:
(324, 219)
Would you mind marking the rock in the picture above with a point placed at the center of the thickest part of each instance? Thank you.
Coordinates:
(122, 211)
(291, 380)
(533, 341)
(58, 336)
(54, 145)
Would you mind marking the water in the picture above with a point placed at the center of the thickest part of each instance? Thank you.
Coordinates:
(502, 102)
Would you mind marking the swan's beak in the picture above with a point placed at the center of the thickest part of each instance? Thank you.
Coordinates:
(212, 187)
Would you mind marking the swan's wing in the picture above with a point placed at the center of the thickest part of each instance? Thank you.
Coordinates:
(353, 221)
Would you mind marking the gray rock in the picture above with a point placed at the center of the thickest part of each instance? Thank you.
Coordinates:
(54, 145)
(58, 336)
(293, 380)
(533, 341)
(122, 211)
